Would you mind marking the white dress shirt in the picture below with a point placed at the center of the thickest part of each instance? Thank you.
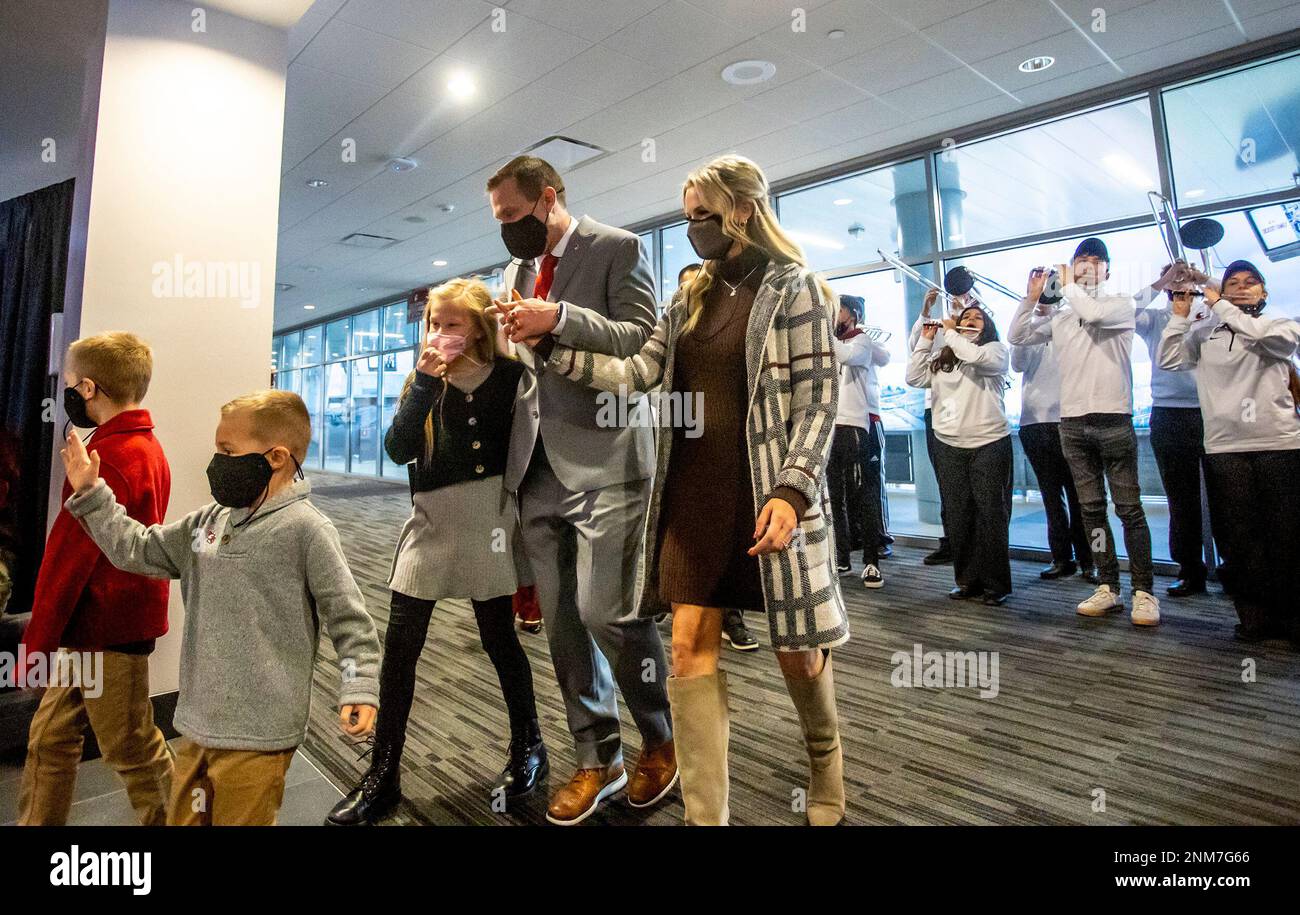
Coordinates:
(558, 251)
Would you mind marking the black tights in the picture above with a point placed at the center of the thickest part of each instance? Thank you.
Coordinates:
(408, 624)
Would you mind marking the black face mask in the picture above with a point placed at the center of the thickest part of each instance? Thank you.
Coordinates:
(75, 406)
(1254, 308)
(707, 238)
(525, 238)
(237, 481)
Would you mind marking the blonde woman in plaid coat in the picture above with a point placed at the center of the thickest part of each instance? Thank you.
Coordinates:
(769, 378)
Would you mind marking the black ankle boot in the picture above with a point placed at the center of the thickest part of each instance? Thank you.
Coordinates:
(527, 766)
(376, 795)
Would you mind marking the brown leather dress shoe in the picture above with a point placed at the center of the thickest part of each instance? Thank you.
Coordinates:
(655, 775)
(582, 795)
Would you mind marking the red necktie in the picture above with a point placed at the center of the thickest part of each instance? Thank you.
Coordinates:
(542, 286)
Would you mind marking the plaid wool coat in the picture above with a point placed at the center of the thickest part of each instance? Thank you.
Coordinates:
(793, 381)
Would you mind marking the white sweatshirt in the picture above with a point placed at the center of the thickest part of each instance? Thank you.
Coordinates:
(1040, 390)
(859, 357)
(1241, 374)
(967, 402)
(1168, 389)
(1092, 337)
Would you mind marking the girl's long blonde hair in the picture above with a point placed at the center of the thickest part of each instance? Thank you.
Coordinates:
(473, 296)
(723, 185)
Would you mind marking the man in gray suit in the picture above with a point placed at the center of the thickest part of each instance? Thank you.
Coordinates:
(583, 484)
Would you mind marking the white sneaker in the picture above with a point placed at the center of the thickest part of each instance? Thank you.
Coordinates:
(1103, 601)
(1146, 609)
(871, 577)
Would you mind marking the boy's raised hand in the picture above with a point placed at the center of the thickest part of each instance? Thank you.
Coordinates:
(357, 720)
(82, 468)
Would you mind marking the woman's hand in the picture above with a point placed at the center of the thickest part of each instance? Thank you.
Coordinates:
(949, 324)
(928, 331)
(1181, 305)
(357, 720)
(930, 298)
(82, 468)
(775, 528)
(431, 363)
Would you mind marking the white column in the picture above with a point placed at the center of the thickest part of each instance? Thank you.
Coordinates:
(180, 230)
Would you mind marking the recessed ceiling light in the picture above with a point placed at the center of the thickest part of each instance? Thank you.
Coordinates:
(439, 263)
(309, 307)
(317, 182)
(461, 86)
(842, 201)
(1196, 192)
(748, 72)
(1034, 64)
(835, 34)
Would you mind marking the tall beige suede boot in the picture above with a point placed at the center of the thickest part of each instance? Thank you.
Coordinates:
(814, 700)
(701, 732)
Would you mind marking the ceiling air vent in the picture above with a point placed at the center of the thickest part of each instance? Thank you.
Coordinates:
(564, 153)
(284, 287)
(362, 240)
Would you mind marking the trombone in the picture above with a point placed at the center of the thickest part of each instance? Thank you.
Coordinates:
(913, 275)
(1167, 222)
(961, 280)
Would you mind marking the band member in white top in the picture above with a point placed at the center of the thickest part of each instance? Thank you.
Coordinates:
(1092, 335)
(966, 378)
(1249, 393)
(853, 474)
(1176, 438)
(943, 554)
(1040, 437)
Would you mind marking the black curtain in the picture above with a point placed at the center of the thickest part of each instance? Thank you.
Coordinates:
(34, 230)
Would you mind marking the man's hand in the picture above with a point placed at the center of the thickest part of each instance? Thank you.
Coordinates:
(1065, 274)
(1181, 305)
(82, 468)
(930, 298)
(775, 527)
(929, 330)
(1037, 280)
(531, 319)
(357, 720)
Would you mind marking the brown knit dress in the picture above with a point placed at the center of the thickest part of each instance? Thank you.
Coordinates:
(707, 523)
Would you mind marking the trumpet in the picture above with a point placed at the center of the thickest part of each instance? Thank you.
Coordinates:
(912, 274)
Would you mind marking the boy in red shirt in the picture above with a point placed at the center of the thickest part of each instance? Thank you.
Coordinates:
(83, 604)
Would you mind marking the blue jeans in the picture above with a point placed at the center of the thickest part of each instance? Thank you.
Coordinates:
(1101, 449)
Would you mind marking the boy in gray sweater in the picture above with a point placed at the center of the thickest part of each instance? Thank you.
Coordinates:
(259, 570)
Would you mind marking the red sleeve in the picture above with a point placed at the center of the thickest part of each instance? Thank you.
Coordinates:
(70, 559)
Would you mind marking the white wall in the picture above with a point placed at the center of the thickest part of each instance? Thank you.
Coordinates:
(186, 164)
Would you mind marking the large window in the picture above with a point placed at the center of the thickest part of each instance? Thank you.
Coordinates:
(1236, 134)
(1073, 171)
(340, 369)
(676, 254)
(842, 223)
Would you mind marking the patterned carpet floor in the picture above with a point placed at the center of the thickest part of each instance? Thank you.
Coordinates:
(1093, 721)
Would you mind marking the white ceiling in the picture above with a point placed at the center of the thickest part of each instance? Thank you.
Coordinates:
(616, 72)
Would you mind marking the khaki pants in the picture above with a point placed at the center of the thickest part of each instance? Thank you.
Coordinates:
(122, 720)
(227, 787)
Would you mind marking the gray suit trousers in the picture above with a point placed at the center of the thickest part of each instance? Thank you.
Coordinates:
(583, 548)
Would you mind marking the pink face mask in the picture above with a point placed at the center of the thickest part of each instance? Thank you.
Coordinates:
(448, 346)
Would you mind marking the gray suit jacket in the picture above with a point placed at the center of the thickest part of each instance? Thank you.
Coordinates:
(605, 281)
